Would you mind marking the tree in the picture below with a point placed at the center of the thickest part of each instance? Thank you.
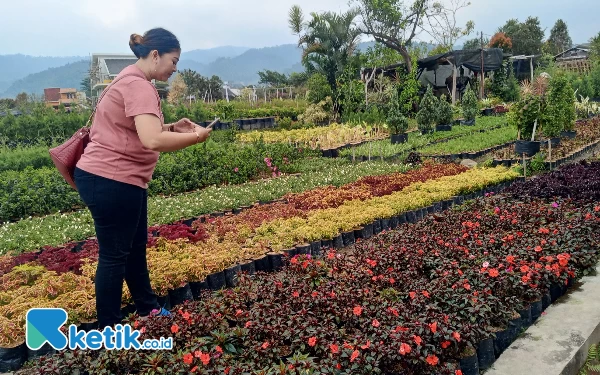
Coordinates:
(85, 84)
(474, 43)
(272, 78)
(297, 79)
(500, 40)
(395, 23)
(328, 41)
(21, 100)
(318, 88)
(7, 103)
(202, 87)
(427, 115)
(527, 37)
(443, 26)
(595, 48)
(559, 39)
(177, 91)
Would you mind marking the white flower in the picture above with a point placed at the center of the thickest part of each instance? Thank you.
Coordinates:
(486, 264)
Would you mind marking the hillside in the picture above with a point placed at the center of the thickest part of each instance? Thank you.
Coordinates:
(69, 75)
(236, 65)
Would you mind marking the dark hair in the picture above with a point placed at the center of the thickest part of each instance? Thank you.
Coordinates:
(158, 39)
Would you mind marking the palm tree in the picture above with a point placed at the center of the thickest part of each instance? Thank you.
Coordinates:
(328, 41)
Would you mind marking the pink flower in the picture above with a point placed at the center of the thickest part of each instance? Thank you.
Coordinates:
(486, 264)
(236, 169)
(555, 205)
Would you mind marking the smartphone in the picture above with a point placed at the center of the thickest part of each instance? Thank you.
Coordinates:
(210, 126)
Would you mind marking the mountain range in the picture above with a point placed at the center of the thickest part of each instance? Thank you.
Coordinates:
(235, 65)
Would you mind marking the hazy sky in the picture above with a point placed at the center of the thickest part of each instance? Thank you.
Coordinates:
(82, 27)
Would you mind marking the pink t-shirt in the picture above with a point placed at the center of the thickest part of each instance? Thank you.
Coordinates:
(115, 150)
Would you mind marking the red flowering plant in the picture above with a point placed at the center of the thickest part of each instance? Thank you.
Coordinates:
(176, 231)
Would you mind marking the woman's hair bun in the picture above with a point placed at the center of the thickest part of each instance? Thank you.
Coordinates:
(136, 39)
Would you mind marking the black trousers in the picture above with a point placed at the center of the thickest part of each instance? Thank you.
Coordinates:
(120, 213)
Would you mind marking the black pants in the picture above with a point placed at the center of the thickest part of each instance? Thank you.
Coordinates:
(120, 213)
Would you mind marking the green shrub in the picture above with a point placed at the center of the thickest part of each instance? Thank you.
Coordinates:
(396, 122)
(318, 88)
(559, 112)
(427, 115)
(469, 105)
(445, 113)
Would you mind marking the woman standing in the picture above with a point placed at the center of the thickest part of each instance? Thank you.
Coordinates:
(126, 137)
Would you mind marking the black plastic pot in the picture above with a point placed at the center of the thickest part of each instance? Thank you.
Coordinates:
(11, 359)
(231, 275)
(315, 248)
(525, 317)
(411, 217)
(569, 134)
(502, 341)
(367, 231)
(402, 219)
(468, 123)
(425, 212)
(514, 328)
(487, 111)
(276, 261)
(289, 253)
(459, 199)
(385, 224)
(555, 291)
(447, 204)
(399, 138)
(419, 214)
(262, 264)
(338, 242)
(327, 244)
(180, 295)
(326, 153)
(377, 226)
(536, 310)
(164, 302)
(470, 365)
(348, 238)
(394, 222)
(485, 354)
(303, 249)
(216, 280)
(197, 287)
(443, 128)
(553, 142)
(430, 209)
(527, 147)
(248, 267)
(45, 350)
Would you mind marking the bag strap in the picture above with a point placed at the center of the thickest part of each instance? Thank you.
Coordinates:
(89, 121)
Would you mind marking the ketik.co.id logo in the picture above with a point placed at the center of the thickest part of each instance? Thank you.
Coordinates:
(44, 326)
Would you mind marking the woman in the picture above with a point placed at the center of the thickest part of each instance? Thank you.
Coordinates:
(127, 135)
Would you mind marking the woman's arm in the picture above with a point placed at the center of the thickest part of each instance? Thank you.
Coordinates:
(152, 136)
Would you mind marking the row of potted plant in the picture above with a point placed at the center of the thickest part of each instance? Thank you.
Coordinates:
(69, 257)
(439, 297)
(472, 143)
(173, 265)
(324, 138)
(416, 141)
(54, 230)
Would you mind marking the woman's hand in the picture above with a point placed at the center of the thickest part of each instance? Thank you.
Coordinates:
(185, 125)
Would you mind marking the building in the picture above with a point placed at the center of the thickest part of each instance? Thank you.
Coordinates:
(106, 66)
(55, 96)
(575, 59)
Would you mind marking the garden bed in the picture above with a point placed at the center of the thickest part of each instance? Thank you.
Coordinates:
(423, 299)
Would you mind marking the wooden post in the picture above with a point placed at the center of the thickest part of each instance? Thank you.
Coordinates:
(531, 67)
(524, 167)
(550, 154)
(482, 89)
(454, 74)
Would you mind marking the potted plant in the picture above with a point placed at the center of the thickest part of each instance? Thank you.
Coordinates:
(524, 116)
(397, 125)
(469, 107)
(559, 111)
(427, 115)
(486, 107)
(444, 115)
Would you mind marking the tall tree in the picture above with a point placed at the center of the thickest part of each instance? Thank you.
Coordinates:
(595, 48)
(177, 91)
(328, 41)
(500, 40)
(474, 43)
(85, 85)
(527, 37)
(559, 39)
(272, 78)
(443, 26)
